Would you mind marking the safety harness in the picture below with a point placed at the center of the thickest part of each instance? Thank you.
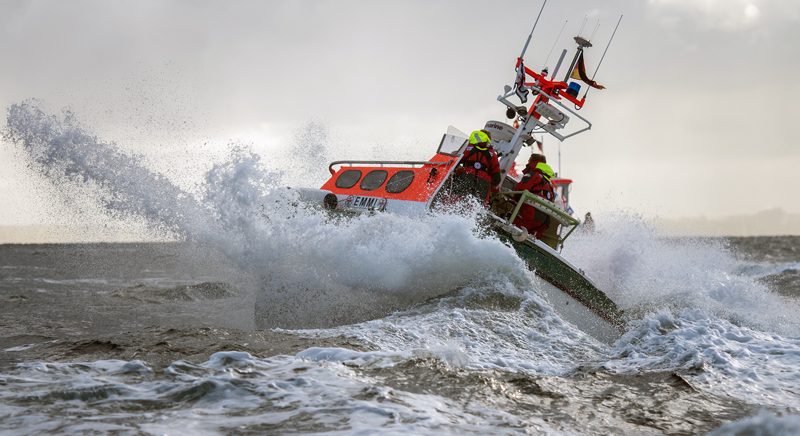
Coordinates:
(473, 160)
(543, 189)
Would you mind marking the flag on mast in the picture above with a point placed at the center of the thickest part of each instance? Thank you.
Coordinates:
(579, 73)
(519, 84)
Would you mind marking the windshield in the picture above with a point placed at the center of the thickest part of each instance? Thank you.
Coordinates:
(452, 143)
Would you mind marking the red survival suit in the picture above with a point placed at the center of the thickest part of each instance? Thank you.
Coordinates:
(479, 169)
(536, 180)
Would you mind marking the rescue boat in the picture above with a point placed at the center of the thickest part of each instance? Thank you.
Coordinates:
(418, 187)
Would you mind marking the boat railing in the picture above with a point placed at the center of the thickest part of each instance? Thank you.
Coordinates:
(549, 127)
(546, 207)
(383, 163)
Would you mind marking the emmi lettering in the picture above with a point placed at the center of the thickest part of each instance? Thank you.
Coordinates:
(367, 202)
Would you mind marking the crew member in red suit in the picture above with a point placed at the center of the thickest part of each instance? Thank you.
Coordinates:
(479, 169)
(536, 180)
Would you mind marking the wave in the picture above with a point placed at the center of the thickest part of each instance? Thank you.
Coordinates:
(644, 272)
(715, 355)
(311, 270)
(433, 288)
(318, 390)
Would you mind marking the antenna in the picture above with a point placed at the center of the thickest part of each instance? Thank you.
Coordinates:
(604, 54)
(585, 18)
(595, 30)
(559, 159)
(524, 49)
(554, 43)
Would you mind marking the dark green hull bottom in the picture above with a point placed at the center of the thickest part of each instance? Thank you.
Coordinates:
(569, 281)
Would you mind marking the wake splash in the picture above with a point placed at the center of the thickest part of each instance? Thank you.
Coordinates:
(646, 273)
(371, 266)
(84, 170)
(307, 269)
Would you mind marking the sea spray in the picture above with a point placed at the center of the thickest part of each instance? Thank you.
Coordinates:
(489, 356)
(309, 270)
(369, 266)
(82, 167)
(644, 272)
(227, 211)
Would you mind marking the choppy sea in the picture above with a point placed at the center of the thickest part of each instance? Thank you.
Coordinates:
(270, 317)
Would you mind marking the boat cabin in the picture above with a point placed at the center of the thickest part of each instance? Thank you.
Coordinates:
(406, 187)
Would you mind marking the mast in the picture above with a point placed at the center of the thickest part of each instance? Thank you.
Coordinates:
(551, 109)
(525, 48)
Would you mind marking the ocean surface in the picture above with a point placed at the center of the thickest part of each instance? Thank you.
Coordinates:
(271, 317)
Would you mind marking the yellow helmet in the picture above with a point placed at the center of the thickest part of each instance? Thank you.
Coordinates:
(479, 137)
(545, 169)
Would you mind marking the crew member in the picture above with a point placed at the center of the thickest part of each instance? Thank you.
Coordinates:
(479, 170)
(536, 180)
(588, 223)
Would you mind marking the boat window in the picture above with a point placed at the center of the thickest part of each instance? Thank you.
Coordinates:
(374, 179)
(348, 179)
(451, 145)
(399, 181)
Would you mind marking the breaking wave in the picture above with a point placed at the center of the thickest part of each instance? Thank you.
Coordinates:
(309, 269)
(646, 273)
(695, 308)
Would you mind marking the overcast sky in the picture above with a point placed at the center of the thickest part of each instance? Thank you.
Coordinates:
(698, 116)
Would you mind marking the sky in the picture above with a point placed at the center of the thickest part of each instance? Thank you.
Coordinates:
(696, 119)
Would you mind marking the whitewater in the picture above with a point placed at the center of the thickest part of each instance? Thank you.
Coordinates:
(265, 315)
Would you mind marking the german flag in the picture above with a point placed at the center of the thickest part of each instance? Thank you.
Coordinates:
(579, 73)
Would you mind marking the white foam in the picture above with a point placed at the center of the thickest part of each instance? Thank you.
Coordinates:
(702, 311)
(320, 388)
(715, 355)
(643, 272)
(492, 323)
(325, 273)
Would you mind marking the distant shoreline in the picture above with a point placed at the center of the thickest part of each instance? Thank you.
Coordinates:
(772, 222)
(32, 234)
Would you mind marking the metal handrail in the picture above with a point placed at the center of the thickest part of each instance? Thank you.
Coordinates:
(503, 99)
(384, 162)
(526, 195)
(549, 209)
